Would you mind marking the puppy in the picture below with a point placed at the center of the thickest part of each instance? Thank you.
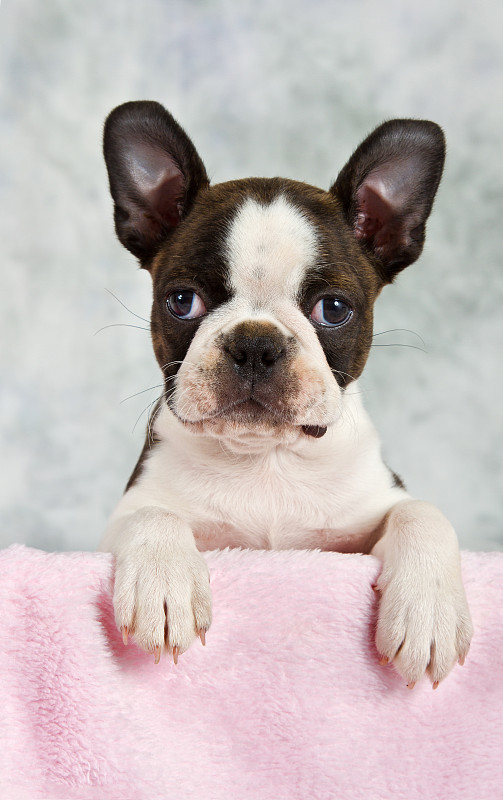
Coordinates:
(263, 295)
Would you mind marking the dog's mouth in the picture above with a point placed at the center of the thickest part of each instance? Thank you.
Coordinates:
(252, 413)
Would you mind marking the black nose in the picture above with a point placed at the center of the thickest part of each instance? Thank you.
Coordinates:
(254, 357)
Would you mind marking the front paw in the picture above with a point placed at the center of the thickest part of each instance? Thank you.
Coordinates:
(424, 624)
(162, 598)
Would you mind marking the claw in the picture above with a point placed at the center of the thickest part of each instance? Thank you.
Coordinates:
(157, 654)
(411, 685)
(202, 635)
(125, 633)
(461, 661)
(175, 654)
(376, 588)
(435, 685)
(384, 660)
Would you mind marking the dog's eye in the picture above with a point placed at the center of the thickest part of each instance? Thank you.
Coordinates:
(186, 304)
(331, 311)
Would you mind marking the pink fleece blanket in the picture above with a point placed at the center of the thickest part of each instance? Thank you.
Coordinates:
(286, 701)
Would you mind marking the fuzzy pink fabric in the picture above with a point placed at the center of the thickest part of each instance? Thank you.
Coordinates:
(286, 702)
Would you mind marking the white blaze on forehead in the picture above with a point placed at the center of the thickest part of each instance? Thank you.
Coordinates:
(269, 247)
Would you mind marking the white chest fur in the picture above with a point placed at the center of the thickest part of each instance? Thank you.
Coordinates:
(308, 493)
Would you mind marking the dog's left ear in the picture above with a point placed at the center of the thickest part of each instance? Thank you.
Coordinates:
(155, 174)
(387, 190)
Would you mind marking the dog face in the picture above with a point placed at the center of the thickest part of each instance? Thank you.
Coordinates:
(264, 288)
(274, 324)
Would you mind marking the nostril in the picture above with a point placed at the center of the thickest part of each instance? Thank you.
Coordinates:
(270, 356)
(239, 357)
(238, 354)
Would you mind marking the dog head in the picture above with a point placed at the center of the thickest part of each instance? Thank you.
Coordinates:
(264, 288)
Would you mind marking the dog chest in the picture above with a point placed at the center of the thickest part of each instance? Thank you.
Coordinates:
(278, 501)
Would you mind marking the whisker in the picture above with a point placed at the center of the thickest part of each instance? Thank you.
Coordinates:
(401, 344)
(344, 374)
(152, 418)
(125, 306)
(170, 364)
(150, 389)
(404, 330)
(149, 406)
(121, 325)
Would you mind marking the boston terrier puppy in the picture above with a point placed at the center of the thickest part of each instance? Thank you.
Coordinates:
(263, 295)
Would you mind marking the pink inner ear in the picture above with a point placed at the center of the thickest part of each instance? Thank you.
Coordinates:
(381, 217)
(374, 213)
(159, 181)
(166, 198)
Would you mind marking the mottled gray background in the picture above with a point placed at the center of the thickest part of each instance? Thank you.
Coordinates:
(264, 87)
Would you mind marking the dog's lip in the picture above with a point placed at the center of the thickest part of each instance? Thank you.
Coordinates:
(315, 431)
(224, 410)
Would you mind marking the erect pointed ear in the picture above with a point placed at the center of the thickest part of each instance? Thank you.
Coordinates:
(155, 174)
(387, 190)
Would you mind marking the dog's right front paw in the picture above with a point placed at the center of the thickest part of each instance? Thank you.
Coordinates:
(162, 600)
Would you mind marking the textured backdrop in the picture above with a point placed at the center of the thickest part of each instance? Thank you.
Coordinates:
(263, 87)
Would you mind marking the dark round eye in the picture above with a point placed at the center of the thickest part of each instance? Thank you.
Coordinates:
(331, 311)
(186, 304)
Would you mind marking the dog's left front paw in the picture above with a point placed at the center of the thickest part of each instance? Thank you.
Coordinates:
(424, 624)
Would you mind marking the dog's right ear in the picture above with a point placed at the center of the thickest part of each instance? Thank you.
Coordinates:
(155, 174)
